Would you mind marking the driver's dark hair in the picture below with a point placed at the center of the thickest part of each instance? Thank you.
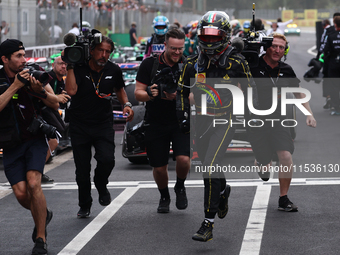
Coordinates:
(174, 32)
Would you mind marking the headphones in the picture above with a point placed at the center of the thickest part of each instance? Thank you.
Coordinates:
(286, 49)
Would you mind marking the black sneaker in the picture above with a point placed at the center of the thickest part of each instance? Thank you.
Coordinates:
(264, 175)
(286, 205)
(204, 234)
(83, 213)
(328, 104)
(104, 198)
(46, 179)
(40, 247)
(164, 204)
(49, 216)
(223, 206)
(181, 199)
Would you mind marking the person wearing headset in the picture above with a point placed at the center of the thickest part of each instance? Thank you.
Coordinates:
(90, 86)
(269, 138)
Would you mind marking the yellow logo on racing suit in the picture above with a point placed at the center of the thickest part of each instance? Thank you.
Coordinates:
(226, 77)
(201, 77)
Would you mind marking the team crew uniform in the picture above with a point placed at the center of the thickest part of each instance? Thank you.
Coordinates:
(332, 51)
(162, 123)
(57, 85)
(266, 140)
(91, 122)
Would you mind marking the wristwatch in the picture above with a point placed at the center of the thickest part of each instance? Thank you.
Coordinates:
(128, 104)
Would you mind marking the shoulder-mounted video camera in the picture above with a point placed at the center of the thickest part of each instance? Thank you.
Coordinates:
(166, 81)
(253, 42)
(78, 50)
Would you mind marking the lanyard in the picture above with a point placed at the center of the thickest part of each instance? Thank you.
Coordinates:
(96, 87)
(278, 75)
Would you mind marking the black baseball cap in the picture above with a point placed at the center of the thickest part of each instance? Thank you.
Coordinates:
(10, 46)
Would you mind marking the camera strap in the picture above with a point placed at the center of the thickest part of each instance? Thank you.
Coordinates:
(35, 94)
(277, 77)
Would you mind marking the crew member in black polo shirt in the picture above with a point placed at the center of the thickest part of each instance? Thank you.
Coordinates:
(91, 120)
(267, 139)
(163, 126)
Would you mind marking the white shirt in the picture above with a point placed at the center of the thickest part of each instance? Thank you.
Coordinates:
(74, 30)
(57, 31)
(281, 25)
(270, 31)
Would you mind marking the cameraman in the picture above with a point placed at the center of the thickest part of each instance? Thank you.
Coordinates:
(91, 120)
(267, 140)
(24, 163)
(162, 122)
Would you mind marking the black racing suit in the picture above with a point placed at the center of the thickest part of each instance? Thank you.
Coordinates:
(212, 142)
(332, 49)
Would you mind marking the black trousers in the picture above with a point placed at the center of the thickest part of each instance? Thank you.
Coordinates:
(212, 143)
(83, 137)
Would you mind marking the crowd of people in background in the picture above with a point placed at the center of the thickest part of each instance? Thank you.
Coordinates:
(98, 5)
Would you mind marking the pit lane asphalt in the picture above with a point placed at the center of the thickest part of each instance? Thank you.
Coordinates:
(130, 225)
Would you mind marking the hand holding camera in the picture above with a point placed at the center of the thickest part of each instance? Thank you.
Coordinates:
(167, 82)
(22, 78)
(152, 90)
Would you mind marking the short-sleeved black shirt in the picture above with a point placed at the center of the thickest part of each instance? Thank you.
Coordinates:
(25, 107)
(158, 110)
(266, 78)
(57, 85)
(86, 107)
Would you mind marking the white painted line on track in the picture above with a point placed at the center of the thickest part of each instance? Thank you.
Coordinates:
(310, 51)
(6, 189)
(92, 228)
(253, 235)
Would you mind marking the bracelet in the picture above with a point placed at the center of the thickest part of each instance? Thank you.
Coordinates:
(43, 91)
(127, 104)
(70, 66)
